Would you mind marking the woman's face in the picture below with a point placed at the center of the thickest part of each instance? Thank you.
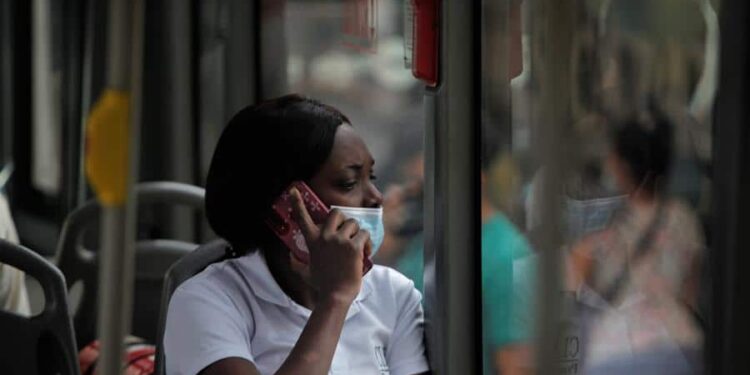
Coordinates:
(347, 177)
(621, 173)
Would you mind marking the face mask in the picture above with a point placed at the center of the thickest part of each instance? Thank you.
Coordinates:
(369, 219)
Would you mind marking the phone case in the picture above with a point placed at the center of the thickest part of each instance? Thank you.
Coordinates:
(283, 225)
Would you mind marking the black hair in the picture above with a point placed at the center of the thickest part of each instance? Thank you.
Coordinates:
(492, 145)
(646, 148)
(262, 150)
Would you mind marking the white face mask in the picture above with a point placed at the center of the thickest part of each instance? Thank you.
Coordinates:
(369, 219)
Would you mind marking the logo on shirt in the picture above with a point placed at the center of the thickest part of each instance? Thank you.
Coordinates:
(381, 361)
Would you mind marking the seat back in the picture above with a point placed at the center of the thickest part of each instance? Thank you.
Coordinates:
(42, 344)
(153, 258)
(187, 267)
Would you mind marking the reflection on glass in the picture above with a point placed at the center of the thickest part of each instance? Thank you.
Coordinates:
(351, 54)
(640, 274)
(635, 185)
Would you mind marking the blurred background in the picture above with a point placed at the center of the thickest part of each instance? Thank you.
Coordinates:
(569, 77)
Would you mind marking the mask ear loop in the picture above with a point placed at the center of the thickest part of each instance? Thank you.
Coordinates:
(641, 186)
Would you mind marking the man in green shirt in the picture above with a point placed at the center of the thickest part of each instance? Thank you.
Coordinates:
(505, 340)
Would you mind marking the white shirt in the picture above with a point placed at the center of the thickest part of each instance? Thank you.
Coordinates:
(236, 309)
(13, 295)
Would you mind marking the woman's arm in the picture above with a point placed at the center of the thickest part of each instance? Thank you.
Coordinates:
(513, 360)
(313, 352)
(337, 251)
(582, 257)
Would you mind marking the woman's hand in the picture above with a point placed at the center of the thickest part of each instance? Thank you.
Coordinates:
(337, 250)
(581, 258)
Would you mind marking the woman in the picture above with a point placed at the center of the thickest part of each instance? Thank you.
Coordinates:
(265, 311)
(642, 272)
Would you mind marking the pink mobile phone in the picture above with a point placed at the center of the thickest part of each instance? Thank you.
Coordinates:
(283, 225)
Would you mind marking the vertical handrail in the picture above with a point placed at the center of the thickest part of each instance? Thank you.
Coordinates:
(728, 352)
(178, 56)
(556, 26)
(124, 73)
(452, 216)
(701, 103)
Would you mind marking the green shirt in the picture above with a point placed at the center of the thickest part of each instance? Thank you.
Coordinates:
(502, 244)
(411, 262)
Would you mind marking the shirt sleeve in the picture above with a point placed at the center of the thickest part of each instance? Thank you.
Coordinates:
(406, 349)
(523, 308)
(203, 327)
(497, 293)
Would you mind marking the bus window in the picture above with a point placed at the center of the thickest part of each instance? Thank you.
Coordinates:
(350, 54)
(47, 74)
(39, 66)
(596, 161)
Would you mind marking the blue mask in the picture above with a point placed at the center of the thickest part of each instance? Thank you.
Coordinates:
(369, 219)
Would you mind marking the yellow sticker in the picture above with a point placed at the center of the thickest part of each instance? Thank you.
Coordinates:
(107, 142)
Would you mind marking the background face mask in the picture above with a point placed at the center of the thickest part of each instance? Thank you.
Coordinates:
(369, 219)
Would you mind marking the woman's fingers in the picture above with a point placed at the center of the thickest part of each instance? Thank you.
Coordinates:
(302, 217)
(349, 228)
(362, 241)
(333, 222)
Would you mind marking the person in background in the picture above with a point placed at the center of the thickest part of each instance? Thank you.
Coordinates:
(505, 344)
(13, 295)
(505, 307)
(403, 200)
(640, 276)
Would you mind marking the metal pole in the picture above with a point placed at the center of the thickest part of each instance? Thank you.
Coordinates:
(556, 37)
(240, 64)
(118, 221)
(452, 215)
(178, 56)
(727, 348)
(119, 42)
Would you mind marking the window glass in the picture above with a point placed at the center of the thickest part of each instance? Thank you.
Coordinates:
(214, 32)
(596, 122)
(350, 54)
(47, 55)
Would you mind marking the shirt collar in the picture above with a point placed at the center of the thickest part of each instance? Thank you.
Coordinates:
(261, 281)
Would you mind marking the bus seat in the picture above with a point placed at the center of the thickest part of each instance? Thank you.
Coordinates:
(187, 267)
(45, 343)
(153, 258)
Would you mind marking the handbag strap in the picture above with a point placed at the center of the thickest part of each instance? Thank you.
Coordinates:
(644, 244)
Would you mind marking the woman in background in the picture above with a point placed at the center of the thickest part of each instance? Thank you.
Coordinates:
(641, 274)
